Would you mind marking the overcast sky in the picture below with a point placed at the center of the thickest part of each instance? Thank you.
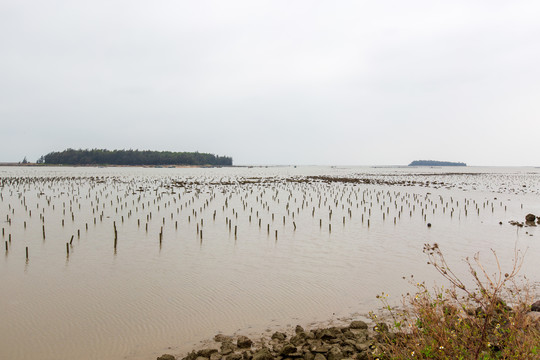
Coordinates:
(274, 82)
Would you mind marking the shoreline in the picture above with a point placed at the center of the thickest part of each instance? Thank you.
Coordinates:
(353, 339)
(260, 333)
(113, 165)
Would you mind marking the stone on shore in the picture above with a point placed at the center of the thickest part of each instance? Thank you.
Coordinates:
(317, 346)
(358, 324)
(535, 306)
(234, 357)
(191, 356)
(263, 354)
(227, 348)
(298, 339)
(206, 352)
(328, 334)
(166, 357)
(287, 350)
(222, 338)
(335, 353)
(279, 336)
(333, 343)
(308, 355)
(530, 217)
(244, 342)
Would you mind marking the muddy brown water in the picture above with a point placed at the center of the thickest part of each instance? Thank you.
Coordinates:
(148, 297)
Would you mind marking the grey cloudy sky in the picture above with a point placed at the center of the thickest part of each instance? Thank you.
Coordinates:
(274, 82)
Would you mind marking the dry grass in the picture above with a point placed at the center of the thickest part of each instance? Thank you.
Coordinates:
(463, 322)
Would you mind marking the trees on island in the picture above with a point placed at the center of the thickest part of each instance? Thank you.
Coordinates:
(133, 157)
(436, 163)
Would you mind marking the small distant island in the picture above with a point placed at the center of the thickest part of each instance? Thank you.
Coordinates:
(132, 158)
(435, 163)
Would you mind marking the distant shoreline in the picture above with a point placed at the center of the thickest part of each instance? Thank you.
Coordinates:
(113, 165)
(435, 163)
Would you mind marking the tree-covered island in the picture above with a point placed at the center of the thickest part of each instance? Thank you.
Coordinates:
(435, 163)
(132, 157)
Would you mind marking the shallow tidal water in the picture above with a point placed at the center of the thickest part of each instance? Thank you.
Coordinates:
(234, 250)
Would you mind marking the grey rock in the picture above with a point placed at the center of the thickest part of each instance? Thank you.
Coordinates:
(215, 356)
(361, 335)
(335, 353)
(348, 350)
(318, 346)
(234, 357)
(530, 217)
(277, 347)
(227, 348)
(287, 349)
(263, 354)
(298, 339)
(535, 306)
(206, 352)
(358, 324)
(326, 334)
(279, 336)
(361, 347)
(244, 342)
(319, 357)
(191, 356)
(222, 338)
(166, 357)
(308, 355)
(313, 341)
(298, 329)
(247, 355)
(202, 358)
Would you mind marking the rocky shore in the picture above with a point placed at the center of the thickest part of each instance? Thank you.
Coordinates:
(355, 341)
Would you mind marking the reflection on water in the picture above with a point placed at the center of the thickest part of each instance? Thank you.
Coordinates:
(201, 251)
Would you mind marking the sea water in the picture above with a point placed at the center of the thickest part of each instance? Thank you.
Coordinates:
(242, 250)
